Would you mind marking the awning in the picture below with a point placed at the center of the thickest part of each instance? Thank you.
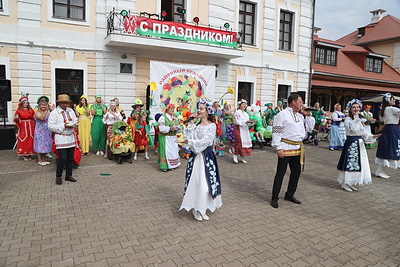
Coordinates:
(376, 98)
(353, 86)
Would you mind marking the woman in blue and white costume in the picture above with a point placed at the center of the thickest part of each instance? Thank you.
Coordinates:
(388, 152)
(337, 131)
(202, 185)
(353, 164)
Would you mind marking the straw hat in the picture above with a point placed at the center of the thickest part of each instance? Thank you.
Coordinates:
(63, 98)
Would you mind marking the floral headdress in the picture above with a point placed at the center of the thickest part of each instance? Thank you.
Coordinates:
(353, 101)
(206, 102)
(242, 101)
(387, 97)
(169, 106)
(367, 106)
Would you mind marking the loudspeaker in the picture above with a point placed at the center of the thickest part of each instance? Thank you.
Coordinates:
(7, 139)
(5, 90)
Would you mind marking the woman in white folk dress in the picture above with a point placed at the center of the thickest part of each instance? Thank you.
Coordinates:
(388, 152)
(353, 164)
(202, 185)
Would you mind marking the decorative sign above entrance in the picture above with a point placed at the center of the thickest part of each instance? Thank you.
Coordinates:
(178, 31)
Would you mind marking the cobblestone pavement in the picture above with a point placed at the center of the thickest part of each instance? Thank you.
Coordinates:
(130, 217)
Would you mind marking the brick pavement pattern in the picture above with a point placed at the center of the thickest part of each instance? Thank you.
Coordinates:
(131, 217)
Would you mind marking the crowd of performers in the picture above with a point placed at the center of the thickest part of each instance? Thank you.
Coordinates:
(202, 136)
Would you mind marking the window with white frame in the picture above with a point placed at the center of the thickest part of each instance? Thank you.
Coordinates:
(373, 64)
(1, 5)
(286, 30)
(69, 9)
(247, 14)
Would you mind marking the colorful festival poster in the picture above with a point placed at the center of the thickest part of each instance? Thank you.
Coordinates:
(173, 82)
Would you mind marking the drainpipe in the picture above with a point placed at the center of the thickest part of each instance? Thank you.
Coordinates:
(311, 52)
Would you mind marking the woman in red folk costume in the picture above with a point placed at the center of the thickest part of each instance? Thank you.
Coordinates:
(141, 137)
(24, 119)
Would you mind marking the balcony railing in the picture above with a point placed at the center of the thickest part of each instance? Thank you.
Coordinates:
(153, 26)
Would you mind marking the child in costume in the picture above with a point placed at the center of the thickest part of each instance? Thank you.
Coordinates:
(141, 135)
(219, 148)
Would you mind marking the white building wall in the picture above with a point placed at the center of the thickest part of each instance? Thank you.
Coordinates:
(396, 56)
(30, 72)
(31, 39)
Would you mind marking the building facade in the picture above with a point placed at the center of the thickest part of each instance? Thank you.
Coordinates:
(80, 47)
(361, 64)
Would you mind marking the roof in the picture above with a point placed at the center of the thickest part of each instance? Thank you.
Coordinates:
(388, 28)
(323, 40)
(347, 65)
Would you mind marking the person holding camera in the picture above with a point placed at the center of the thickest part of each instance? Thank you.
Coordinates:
(62, 121)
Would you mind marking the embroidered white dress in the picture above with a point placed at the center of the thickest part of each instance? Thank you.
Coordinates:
(197, 194)
(171, 146)
(241, 117)
(356, 128)
(63, 137)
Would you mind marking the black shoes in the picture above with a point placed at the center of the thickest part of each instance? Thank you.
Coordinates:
(292, 199)
(274, 203)
(70, 179)
(58, 180)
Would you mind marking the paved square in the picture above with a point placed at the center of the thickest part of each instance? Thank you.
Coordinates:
(130, 217)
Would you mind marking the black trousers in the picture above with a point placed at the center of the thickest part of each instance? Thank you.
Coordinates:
(295, 171)
(66, 158)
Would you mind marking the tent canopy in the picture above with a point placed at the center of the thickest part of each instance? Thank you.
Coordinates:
(376, 98)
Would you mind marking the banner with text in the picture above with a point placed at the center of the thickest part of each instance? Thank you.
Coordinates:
(178, 31)
(172, 83)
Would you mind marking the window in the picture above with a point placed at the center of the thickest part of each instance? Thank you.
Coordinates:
(245, 91)
(283, 93)
(286, 31)
(69, 9)
(70, 81)
(2, 71)
(246, 22)
(323, 100)
(373, 65)
(1, 4)
(3, 105)
(325, 56)
(171, 6)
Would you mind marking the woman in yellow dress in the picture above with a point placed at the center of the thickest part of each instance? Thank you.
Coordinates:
(84, 124)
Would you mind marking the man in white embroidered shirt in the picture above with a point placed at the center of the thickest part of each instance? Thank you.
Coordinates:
(288, 132)
(62, 121)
